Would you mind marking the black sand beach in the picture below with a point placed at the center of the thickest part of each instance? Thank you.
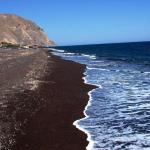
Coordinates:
(40, 115)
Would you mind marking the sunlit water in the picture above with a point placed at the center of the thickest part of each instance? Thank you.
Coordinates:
(118, 112)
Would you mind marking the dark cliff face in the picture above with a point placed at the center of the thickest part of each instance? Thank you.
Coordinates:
(17, 30)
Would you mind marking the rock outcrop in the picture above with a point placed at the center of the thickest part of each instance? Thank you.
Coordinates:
(19, 31)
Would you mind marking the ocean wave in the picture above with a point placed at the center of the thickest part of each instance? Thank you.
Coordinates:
(89, 56)
(77, 125)
(93, 68)
(117, 113)
(57, 50)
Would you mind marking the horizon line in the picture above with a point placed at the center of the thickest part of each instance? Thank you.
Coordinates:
(103, 43)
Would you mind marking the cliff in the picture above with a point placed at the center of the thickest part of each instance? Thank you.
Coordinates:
(17, 30)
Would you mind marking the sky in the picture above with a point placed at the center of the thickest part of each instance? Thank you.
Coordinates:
(74, 22)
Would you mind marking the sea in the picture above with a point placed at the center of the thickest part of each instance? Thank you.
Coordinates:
(117, 116)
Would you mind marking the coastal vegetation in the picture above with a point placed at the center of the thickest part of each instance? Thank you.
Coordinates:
(8, 45)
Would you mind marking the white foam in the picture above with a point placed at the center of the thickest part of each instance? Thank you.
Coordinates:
(75, 123)
(86, 81)
(89, 139)
(89, 56)
(125, 93)
(92, 68)
(67, 53)
(57, 50)
(147, 72)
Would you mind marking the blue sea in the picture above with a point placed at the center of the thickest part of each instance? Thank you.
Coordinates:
(117, 116)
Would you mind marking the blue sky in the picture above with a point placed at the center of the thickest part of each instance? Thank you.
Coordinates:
(70, 22)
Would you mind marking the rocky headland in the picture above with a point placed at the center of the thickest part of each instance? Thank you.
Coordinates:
(16, 30)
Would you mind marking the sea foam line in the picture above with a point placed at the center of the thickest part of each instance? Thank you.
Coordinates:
(91, 144)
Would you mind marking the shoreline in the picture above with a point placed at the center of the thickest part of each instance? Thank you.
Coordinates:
(75, 123)
(61, 96)
(90, 142)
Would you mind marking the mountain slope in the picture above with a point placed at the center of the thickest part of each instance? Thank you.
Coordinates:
(17, 30)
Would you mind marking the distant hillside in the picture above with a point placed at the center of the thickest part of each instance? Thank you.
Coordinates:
(17, 30)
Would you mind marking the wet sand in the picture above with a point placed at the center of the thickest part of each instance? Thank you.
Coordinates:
(43, 116)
